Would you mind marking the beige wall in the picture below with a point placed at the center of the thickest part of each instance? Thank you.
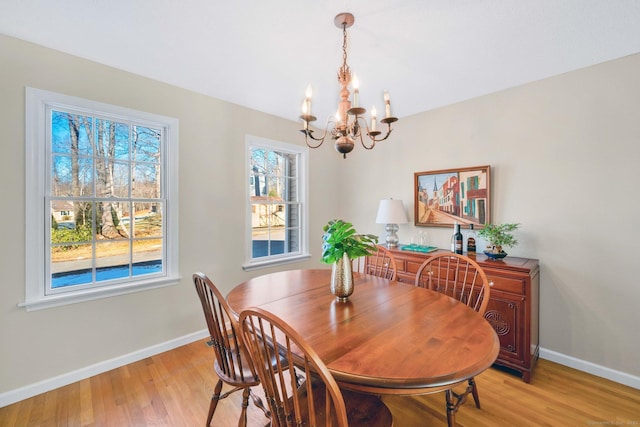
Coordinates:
(563, 153)
(38, 345)
(565, 158)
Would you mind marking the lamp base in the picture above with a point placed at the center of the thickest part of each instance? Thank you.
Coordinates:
(392, 238)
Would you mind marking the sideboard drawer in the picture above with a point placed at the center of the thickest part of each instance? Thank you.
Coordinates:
(413, 266)
(408, 265)
(507, 284)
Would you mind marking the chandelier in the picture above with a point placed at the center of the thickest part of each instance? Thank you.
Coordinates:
(349, 123)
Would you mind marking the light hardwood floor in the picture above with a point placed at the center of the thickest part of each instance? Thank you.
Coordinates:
(174, 389)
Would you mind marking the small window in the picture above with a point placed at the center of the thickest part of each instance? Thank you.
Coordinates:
(277, 209)
(101, 200)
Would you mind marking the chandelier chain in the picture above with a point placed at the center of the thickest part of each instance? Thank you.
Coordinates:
(345, 68)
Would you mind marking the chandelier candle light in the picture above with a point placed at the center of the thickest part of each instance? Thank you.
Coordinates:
(349, 123)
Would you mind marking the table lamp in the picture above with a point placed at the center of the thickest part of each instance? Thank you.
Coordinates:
(391, 212)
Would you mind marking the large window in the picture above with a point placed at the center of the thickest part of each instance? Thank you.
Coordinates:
(277, 212)
(101, 200)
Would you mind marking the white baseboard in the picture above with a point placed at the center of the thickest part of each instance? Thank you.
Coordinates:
(31, 390)
(591, 368)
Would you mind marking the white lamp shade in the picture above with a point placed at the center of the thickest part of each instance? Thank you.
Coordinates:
(391, 211)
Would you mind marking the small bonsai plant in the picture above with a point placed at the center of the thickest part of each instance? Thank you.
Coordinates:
(499, 235)
(340, 237)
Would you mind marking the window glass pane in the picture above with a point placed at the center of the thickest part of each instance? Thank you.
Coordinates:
(292, 240)
(112, 178)
(259, 217)
(120, 181)
(276, 188)
(147, 256)
(146, 180)
(291, 184)
(146, 144)
(70, 221)
(70, 133)
(148, 220)
(278, 216)
(71, 176)
(71, 265)
(112, 260)
(292, 215)
(112, 140)
(109, 224)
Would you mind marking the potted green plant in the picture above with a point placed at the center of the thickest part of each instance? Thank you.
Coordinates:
(498, 235)
(340, 245)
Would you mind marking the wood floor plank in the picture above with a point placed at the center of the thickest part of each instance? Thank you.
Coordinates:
(174, 389)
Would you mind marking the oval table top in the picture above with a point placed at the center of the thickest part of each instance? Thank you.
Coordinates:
(388, 338)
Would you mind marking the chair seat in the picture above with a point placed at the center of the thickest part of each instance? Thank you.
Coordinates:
(244, 376)
(362, 409)
(242, 379)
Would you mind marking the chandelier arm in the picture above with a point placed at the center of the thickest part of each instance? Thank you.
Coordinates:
(308, 134)
(357, 126)
(389, 130)
(372, 134)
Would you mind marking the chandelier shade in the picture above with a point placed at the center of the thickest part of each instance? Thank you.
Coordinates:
(349, 124)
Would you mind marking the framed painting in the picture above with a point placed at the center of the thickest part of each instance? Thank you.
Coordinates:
(461, 195)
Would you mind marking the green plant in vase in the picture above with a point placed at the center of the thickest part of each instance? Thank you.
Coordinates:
(341, 238)
(498, 236)
(340, 245)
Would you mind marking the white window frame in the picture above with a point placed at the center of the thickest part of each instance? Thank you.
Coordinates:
(303, 185)
(37, 215)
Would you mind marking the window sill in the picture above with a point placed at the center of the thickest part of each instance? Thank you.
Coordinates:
(255, 265)
(50, 301)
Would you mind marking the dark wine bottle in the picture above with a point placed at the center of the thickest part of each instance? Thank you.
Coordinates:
(456, 239)
(471, 241)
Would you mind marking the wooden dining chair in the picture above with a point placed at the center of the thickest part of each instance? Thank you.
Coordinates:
(317, 401)
(380, 263)
(459, 277)
(233, 363)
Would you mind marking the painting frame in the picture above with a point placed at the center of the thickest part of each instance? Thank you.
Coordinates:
(462, 195)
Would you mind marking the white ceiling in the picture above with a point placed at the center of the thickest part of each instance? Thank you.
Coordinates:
(262, 54)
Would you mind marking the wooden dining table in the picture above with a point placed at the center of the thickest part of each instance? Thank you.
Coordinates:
(388, 338)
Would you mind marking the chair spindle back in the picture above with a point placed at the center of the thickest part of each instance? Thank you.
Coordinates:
(458, 276)
(233, 361)
(318, 401)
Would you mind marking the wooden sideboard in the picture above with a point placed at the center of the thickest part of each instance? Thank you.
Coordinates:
(513, 305)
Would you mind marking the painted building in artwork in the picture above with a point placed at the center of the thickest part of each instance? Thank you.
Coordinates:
(473, 196)
(449, 196)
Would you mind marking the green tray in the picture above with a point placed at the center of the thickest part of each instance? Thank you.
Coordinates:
(418, 248)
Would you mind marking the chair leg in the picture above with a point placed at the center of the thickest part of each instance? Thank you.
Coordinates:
(451, 408)
(258, 402)
(214, 401)
(242, 422)
(474, 392)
